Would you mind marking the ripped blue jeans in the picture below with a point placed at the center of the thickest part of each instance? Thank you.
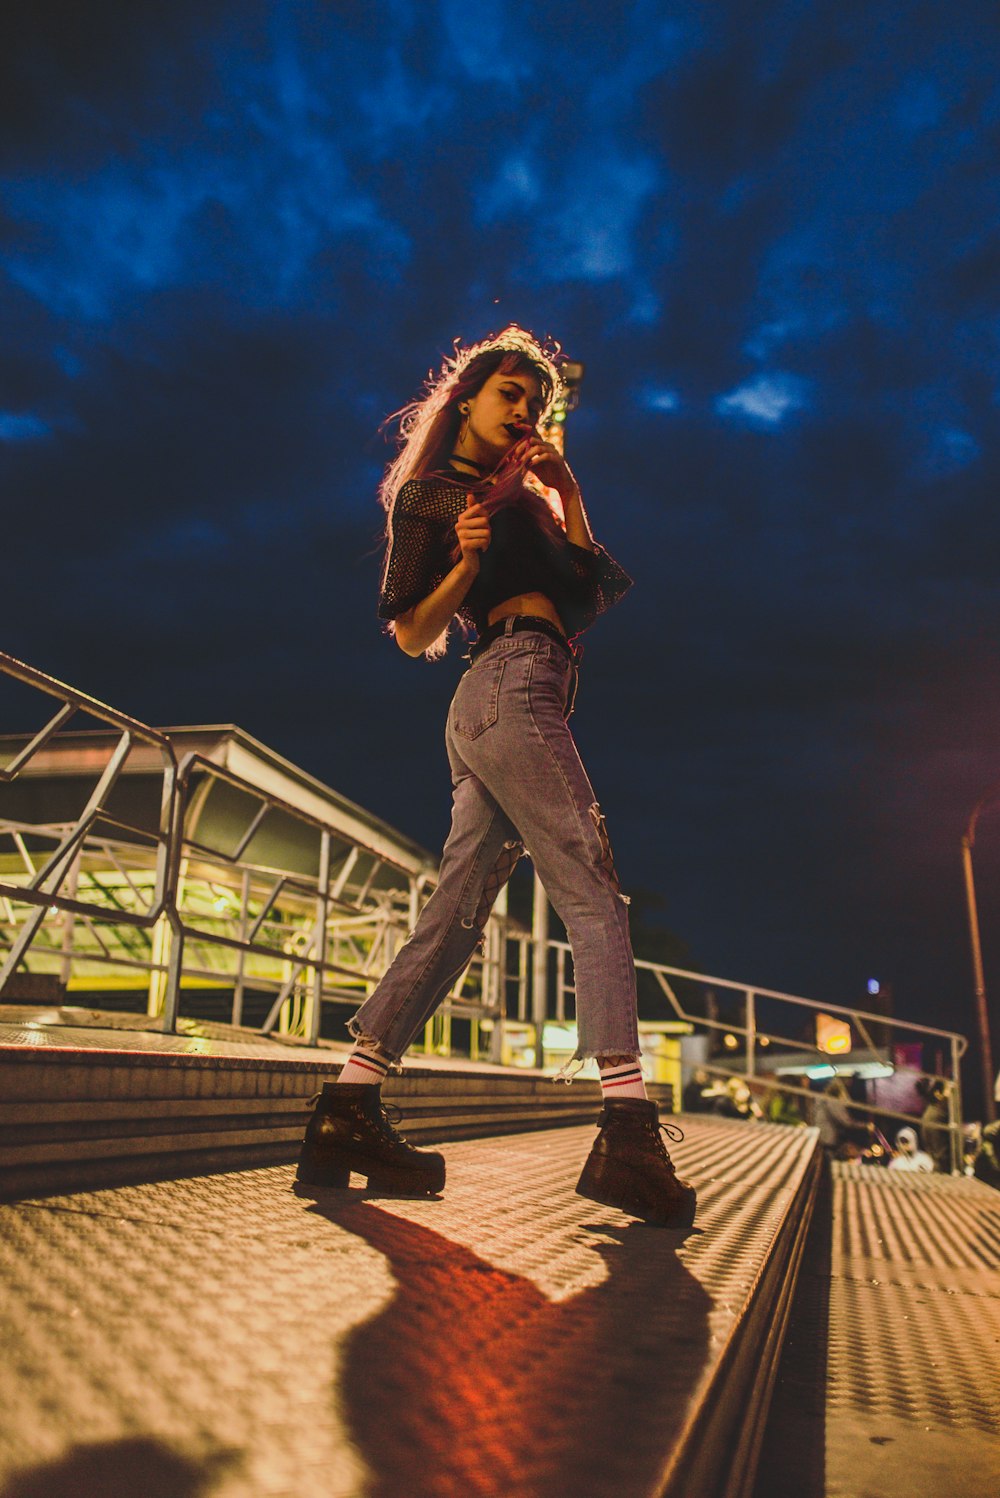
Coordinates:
(519, 784)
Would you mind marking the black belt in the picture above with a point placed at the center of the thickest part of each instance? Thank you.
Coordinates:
(516, 622)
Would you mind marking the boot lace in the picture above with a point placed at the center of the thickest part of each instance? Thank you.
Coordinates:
(673, 1132)
(390, 1113)
(393, 1116)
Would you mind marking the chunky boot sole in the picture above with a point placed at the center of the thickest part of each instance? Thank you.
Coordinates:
(615, 1184)
(381, 1177)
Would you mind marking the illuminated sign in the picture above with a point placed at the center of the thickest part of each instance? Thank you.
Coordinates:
(832, 1035)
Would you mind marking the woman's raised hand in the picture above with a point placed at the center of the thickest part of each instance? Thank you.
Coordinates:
(547, 463)
(473, 531)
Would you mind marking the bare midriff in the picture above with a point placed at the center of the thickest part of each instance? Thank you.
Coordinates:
(527, 603)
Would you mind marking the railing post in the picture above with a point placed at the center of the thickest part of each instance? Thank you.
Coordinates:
(539, 968)
(175, 966)
(497, 947)
(241, 956)
(319, 952)
(979, 981)
(955, 1111)
(69, 922)
(751, 1037)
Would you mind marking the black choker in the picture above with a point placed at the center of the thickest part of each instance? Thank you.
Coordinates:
(457, 458)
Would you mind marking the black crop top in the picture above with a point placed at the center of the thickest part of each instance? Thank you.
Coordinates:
(520, 559)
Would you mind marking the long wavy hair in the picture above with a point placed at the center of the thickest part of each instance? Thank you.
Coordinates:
(429, 426)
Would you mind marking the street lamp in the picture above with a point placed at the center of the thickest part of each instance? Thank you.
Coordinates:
(982, 1014)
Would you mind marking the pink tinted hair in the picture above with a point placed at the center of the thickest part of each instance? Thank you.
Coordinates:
(428, 429)
(428, 426)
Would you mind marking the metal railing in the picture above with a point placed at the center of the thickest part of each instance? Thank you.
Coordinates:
(170, 906)
(50, 881)
(201, 911)
(873, 1029)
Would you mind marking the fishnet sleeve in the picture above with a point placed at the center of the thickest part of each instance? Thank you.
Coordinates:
(420, 537)
(599, 583)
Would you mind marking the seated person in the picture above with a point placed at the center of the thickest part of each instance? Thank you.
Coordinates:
(909, 1155)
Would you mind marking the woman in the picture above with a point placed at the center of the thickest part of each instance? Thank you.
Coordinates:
(471, 534)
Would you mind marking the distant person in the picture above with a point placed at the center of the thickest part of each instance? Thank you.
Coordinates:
(935, 1131)
(972, 1143)
(470, 534)
(779, 1106)
(986, 1165)
(695, 1097)
(737, 1101)
(909, 1155)
(838, 1130)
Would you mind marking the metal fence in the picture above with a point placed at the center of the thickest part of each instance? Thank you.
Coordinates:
(160, 909)
(167, 906)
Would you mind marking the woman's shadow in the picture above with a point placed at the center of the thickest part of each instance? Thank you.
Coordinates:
(473, 1382)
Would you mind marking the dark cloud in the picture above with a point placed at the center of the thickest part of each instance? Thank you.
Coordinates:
(232, 240)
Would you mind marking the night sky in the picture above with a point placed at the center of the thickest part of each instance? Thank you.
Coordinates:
(233, 238)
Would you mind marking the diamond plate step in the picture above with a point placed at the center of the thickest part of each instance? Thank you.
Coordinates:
(85, 1106)
(237, 1336)
(887, 1384)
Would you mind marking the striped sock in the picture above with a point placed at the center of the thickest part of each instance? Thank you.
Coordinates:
(624, 1080)
(365, 1065)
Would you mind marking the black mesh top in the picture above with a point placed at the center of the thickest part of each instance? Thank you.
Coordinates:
(520, 559)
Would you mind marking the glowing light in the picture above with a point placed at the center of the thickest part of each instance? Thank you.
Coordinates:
(558, 1038)
(832, 1035)
(730, 1042)
(874, 986)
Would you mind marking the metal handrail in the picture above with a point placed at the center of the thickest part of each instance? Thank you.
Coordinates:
(312, 958)
(45, 891)
(752, 1033)
(337, 915)
(378, 918)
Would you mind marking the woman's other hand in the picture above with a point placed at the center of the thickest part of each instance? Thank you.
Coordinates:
(473, 531)
(549, 466)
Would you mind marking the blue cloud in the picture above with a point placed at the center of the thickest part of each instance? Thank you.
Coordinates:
(490, 42)
(949, 450)
(17, 426)
(244, 196)
(659, 398)
(399, 105)
(766, 399)
(516, 187)
(601, 200)
(795, 327)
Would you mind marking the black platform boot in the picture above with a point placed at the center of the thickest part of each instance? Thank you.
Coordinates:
(629, 1167)
(351, 1130)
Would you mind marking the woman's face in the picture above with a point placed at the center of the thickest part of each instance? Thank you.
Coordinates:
(503, 403)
